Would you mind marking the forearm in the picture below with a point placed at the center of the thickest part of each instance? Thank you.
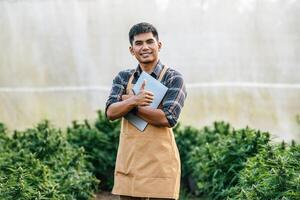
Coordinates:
(127, 103)
(153, 116)
(119, 109)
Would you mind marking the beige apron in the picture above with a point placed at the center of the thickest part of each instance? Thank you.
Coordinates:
(148, 163)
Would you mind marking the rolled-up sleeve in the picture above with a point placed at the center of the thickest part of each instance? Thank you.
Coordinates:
(116, 91)
(174, 99)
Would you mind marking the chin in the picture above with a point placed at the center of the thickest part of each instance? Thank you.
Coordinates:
(147, 61)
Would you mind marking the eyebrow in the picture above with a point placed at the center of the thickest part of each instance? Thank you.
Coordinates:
(148, 40)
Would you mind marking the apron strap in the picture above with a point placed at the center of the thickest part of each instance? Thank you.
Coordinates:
(162, 73)
(129, 84)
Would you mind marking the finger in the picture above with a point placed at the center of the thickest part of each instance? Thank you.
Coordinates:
(149, 101)
(143, 85)
(149, 93)
(145, 104)
(149, 97)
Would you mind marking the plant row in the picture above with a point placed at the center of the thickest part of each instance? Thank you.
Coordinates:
(218, 162)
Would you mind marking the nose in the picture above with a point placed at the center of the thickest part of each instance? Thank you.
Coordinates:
(145, 46)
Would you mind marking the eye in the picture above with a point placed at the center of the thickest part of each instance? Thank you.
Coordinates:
(138, 43)
(150, 41)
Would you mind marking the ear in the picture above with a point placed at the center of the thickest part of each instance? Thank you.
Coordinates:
(131, 50)
(159, 45)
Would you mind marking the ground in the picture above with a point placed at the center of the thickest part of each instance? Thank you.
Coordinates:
(106, 196)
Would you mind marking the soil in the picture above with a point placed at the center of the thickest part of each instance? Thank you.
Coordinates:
(106, 196)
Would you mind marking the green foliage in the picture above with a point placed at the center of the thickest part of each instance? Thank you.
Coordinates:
(100, 142)
(218, 162)
(271, 174)
(220, 155)
(187, 195)
(3, 138)
(39, 163)
(187, 138)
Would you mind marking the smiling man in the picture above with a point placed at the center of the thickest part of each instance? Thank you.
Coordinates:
(148, 163)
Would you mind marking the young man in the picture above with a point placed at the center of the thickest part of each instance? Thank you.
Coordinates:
(148, 163)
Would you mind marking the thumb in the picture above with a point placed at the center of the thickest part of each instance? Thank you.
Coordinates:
(143, 85)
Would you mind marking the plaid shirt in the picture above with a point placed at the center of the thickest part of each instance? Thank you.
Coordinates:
(173, 80)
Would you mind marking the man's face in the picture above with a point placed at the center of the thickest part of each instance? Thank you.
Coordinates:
(145, 48)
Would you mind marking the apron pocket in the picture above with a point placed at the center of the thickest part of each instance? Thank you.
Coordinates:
(154, 158)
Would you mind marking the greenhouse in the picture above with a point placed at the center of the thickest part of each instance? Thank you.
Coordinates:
(239, 130)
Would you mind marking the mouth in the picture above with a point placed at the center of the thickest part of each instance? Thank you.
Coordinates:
(145, 54)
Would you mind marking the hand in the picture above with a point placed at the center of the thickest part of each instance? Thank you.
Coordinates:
(127, 96)
(144, 97)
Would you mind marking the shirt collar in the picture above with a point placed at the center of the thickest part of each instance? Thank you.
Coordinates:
(155, 73)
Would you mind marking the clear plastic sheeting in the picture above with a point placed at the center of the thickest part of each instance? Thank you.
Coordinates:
(240, 59)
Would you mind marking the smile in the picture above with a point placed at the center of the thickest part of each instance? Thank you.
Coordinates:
(145, 54)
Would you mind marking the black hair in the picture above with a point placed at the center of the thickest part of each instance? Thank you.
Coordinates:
(143, 27)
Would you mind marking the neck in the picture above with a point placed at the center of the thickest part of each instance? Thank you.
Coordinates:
(148, 67)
